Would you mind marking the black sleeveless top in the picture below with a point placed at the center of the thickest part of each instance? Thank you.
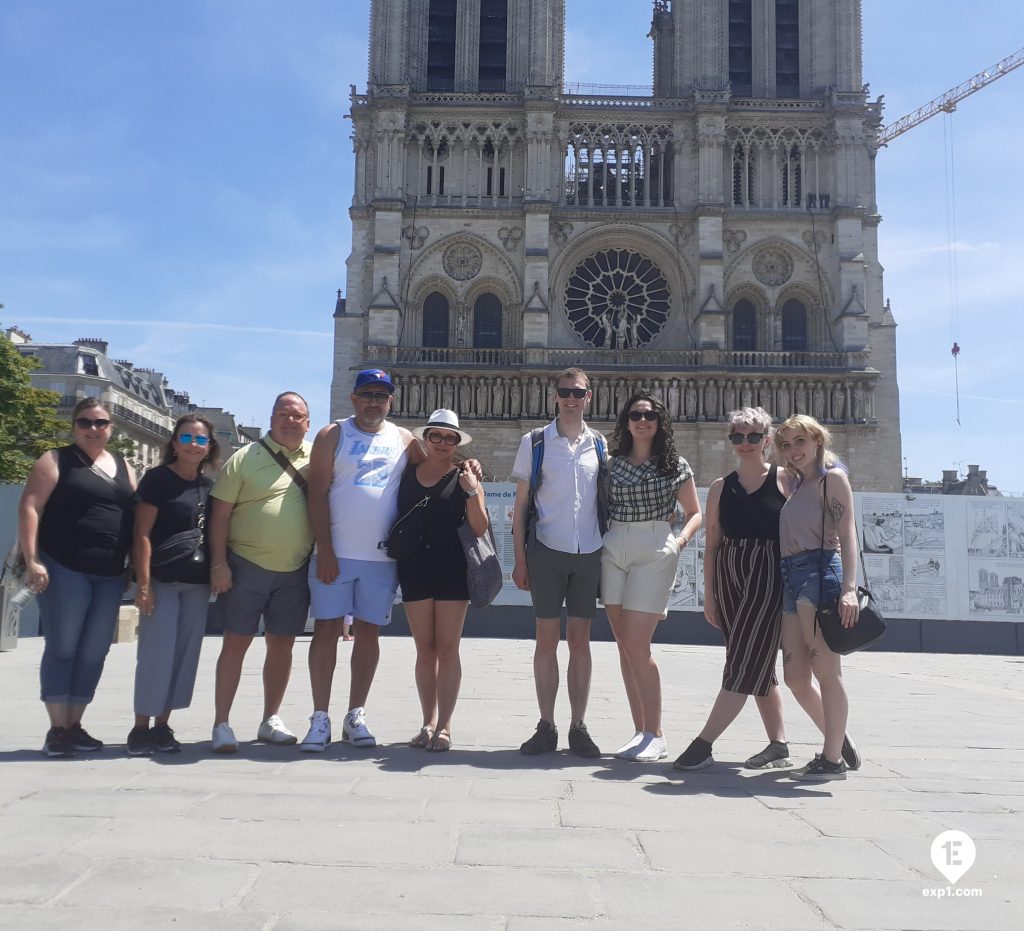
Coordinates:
(88, 520)
(753, 516)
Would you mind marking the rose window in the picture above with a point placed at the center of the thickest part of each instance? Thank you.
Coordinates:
(617, 299)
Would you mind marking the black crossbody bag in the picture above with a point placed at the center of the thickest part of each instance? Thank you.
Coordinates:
(187, 545)
(406, 533)
(870, 624)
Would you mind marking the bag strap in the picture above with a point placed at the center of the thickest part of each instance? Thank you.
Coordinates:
(282, 460)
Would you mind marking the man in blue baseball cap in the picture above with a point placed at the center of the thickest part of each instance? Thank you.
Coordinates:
(354, 473)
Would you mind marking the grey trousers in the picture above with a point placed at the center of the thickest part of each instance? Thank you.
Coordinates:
(169, 643)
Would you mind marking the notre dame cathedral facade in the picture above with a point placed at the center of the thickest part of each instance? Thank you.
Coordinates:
(714, 240)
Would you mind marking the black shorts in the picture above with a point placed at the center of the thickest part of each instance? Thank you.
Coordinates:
(443, 579)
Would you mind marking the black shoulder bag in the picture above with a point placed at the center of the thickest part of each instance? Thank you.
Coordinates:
(187, 545)
(870, 625)
(406, 533)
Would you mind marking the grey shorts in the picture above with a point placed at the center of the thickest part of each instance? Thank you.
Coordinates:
(557, 578)
(281, 598)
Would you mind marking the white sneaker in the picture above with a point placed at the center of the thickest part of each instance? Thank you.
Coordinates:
(273, 731)
(224, 739)
(650, 749)
(355, 731)
(319, 734)
(628, 749)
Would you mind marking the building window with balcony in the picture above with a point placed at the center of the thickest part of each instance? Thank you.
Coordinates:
(487, 322)
(744, 325)
(441, 45)
(794, 326)
(435, 320)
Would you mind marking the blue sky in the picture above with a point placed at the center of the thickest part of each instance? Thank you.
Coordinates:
(176, 177)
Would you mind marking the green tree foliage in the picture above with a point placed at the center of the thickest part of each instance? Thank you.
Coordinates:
(28, 416)
(122, 446)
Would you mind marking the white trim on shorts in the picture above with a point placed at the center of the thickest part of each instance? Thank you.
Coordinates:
(364, 588)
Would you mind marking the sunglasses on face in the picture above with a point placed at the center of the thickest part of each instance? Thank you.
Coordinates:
(637, 416)
(449, 439)
(738, 439)
(189, 438)
(579, 393)
(86, 424)
(379, 396)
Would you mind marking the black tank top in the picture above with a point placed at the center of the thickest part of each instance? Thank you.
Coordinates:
(88, 520)
(753, 516)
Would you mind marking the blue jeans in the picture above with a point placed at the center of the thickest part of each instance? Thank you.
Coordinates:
(78, 615)
(802, 576)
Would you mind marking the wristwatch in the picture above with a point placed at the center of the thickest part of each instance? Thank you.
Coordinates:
(473, 493)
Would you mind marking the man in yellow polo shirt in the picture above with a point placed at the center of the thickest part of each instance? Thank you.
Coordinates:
(260, 541)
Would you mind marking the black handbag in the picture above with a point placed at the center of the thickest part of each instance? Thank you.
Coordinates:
(187, 545)
(406, 533)
(870, 625)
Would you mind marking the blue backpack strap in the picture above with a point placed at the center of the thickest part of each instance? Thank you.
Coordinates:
(537, 457)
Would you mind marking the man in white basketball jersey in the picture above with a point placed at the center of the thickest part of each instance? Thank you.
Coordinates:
(354, 472)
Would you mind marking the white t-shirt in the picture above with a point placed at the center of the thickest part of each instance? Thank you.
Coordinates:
(364, 489)
(567, 496)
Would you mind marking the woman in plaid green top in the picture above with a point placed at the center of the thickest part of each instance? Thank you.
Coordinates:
(647, 478)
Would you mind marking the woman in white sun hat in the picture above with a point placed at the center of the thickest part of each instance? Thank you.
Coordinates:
(433, 578)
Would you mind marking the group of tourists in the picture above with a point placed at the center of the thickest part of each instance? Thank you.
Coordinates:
(286, 528)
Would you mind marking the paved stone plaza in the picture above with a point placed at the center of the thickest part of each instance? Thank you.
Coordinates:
(485, 838)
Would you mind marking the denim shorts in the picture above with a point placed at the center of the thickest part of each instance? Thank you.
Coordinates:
(802, 576)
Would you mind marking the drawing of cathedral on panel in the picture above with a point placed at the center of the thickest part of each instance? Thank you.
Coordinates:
(713, 238)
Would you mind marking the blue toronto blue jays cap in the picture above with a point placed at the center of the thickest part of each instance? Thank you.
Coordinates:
(374, 377)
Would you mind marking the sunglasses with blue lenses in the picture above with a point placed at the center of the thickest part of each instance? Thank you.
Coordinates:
(189, 438)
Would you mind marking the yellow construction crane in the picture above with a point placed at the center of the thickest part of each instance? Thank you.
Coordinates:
(948, 101)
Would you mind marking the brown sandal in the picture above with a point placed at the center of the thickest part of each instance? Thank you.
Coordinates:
(422, 740)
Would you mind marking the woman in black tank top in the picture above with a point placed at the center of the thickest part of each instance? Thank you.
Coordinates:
(75, 529)
(743, 590)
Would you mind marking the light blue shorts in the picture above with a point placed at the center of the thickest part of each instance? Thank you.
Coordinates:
(802, 578)
(364, 588)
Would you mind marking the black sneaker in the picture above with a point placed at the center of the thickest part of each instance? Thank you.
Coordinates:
(544, 740)
(57, 743)
(139, 742)
(696, 756)
(81, 740)
(581, 743)
(821, 770)
(163, 739)
(851, 756)
(774, 756)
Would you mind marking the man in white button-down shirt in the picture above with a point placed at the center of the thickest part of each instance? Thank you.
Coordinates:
(558, 555)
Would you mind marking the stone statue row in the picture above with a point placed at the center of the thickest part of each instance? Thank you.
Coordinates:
(513, 398)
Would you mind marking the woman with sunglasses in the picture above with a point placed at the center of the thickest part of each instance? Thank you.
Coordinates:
(743, 589)
(75, 529)
(433, 579)
(172, 577)
(647, 478)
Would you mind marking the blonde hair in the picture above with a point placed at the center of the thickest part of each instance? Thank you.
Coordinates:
(802, 423)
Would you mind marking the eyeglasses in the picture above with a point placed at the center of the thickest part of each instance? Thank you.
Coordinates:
(379, 396)
(189, 438)
(738, 439)
(449, 439)
(579, 393)
(637, 416)
(86, 424)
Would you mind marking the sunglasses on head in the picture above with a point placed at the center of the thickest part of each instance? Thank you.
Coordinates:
(579, 393)
(379, 396)
(189, 438)
(86, 424)
(637, 416)
(738, 439)
(449, 439)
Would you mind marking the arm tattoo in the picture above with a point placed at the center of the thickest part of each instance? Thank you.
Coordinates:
(837, 510)
(787, 657)
(813, 652)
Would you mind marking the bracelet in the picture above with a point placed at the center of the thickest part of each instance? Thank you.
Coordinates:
(219, 565)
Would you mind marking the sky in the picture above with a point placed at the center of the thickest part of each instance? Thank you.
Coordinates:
(175, 178)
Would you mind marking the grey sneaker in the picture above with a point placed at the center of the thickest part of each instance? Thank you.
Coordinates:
(821, 770)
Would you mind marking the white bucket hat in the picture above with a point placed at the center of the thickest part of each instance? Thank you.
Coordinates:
(445, 420)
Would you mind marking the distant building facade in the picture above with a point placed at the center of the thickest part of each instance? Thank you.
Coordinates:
(975, 483)
(714, 239)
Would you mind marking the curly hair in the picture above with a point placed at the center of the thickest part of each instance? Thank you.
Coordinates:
(664, 447)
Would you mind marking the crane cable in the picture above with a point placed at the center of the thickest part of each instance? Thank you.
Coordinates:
(951, 252)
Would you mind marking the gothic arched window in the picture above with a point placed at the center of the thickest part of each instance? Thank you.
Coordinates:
(744, 325)
(435, 320)
(487, 322)
(794, 326)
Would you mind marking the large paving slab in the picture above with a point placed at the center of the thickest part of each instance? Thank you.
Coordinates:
(486, 838)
